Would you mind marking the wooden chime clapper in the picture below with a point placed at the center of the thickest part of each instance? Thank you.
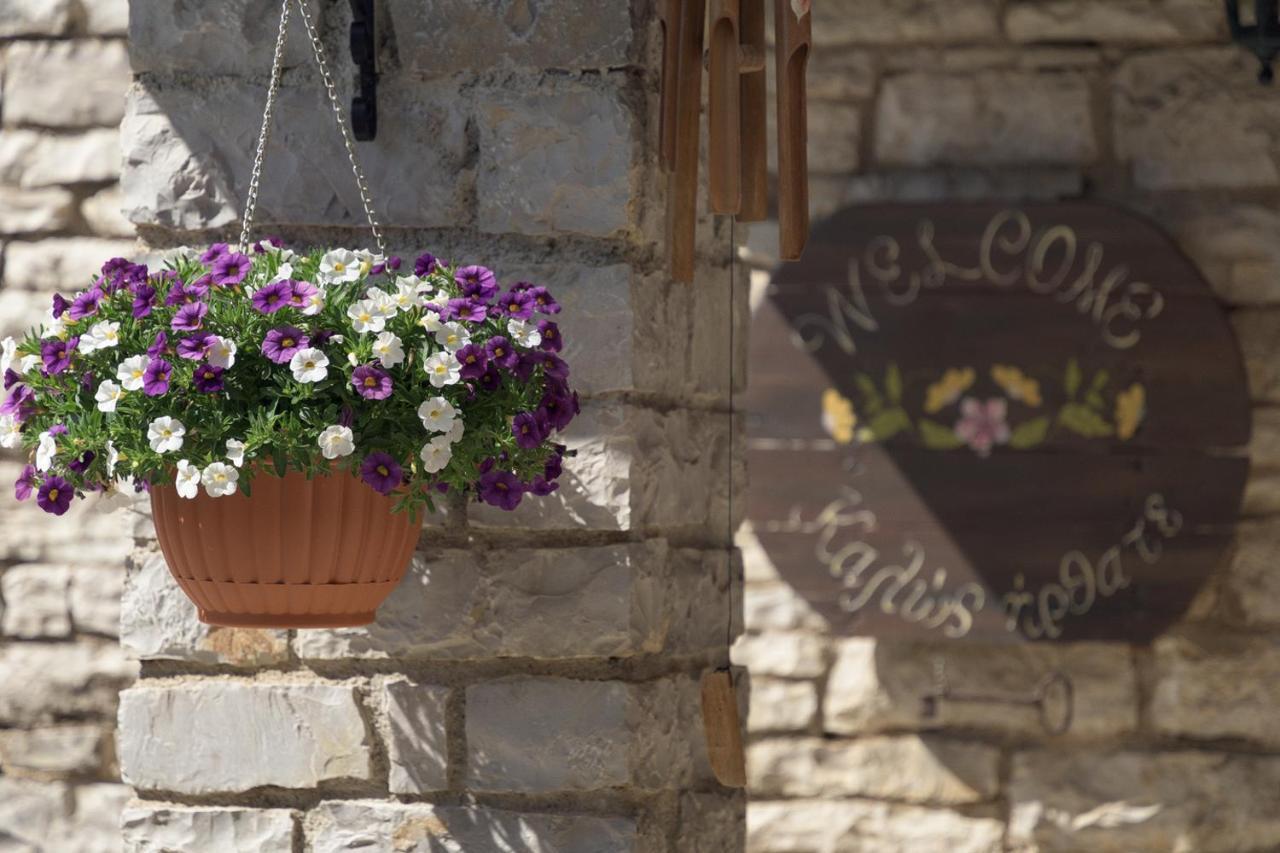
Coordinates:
(727, 38)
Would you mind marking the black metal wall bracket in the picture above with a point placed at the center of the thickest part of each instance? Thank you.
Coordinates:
(364, 52)
(1262, 38)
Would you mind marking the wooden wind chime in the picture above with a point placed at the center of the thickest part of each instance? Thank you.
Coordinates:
(727, 39)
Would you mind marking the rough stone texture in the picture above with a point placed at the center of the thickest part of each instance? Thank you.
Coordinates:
(102, 213)
(876, 685)
(233, 736)
(1104, 801)
(989, 117)
(1238, 250)
(106, 17)
(160, 829)
(68, 749)
(1258, 332)
(36, 601)
(379, 827)
(65, 83)
(28, 211)
(780, 705)
(555, 161)
(39, 816)
(59, 679)
(32, 159)
(789, 655)
(418, 738)
(62, 263)
(1116, 21)
(854, 826)
(158, 622)
(1216, 688)
(35, 17)
(230, 37)
(891, 21)
(94, 599)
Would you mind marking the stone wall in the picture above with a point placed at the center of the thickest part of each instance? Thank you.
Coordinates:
(1174, 746)
(533, 684)
(65, 72)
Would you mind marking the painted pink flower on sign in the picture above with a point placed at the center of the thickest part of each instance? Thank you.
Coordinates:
(800, 7)
(982, 425)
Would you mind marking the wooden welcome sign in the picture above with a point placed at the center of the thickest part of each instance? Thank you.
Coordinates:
(994, 421)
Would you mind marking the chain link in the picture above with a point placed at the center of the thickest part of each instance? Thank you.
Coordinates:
(348, 142)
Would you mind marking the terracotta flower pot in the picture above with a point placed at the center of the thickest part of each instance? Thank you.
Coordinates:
(297, 553)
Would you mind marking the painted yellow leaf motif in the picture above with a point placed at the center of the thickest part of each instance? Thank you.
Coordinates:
(838, 417)
(1131, 408)
(1017, 384)
(948, 389)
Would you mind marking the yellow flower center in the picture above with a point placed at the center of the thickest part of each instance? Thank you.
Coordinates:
(339, 266)
(369, 382)
(53, 494)
(382, 469)
(287, 343)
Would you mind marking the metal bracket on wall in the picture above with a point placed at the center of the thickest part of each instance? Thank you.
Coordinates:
(1262, 38)
(364, 52)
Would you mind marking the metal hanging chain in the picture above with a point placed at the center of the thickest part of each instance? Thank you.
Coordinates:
(276, 69)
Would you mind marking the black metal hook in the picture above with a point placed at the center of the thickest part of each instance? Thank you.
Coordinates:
(1262, 38)
(364, 52)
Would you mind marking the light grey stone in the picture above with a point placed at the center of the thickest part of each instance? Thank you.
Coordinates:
(65, 84)
(32, 159)
(980, 183)
(106, 17)
(859, 826)
(36, 601)
(189, 152)
(21, 310)
(161, 829)
(29, 211)
(1195, 119)
(64, 263)
(778, 705)
(837, 75)
(1258, 333)
(784, 654)
(1237, 249)
(47, 816)
(894, 21)
(835, 139)
(102, 537)
(1219, 687)
(990, 117)
(552, 34)
(777, 606)
(158, 622)
(712, 822)
(878, 685)
(380, 827)
(1112, 801)
(555, 160)
(1251, 582)
(35, 17)
(417, 742)
(94, 598)
(220, 736)
(1130, 22)
(95, 825)
(235, 37)
(61, 680)
(906, 768)
(65, 749)
(103, 213)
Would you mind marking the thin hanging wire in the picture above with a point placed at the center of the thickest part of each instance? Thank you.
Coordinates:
(732, 312)
(348, 142)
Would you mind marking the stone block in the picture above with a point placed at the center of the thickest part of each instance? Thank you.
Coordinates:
(150, 828)
(189, 152)
(1250, 583)
(380, 827)
(106, 17)
(777, 606)
(854, 826)
(65, 263)
(61, 680)
(1009, 182)
(94, 598)
(893, 21)
(234, 37)
(1258, 333)
(158, 622)
(1238, 250)
(417, 736)
(1216, 687)
(1128, 22)
(220, 736)
(35, 17)
(32, 159)
(36, 601)
(1111, 801)
(991, 117)
(778, 705)
(65, 84)
(103, 213)
(53, 750)
(31, 211)
(1195, 119)
(906, 768)
(40, 816)
(878, 685)
(784, 654)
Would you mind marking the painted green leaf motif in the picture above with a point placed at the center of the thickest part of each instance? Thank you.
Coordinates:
(1100, 380)
(938, 437)
(867, 386)
(1095, 401)
(1084, 421)
(1071, 382)
(893, 383)
(1029, 434)
(889, 423)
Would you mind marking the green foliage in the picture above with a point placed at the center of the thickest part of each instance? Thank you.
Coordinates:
(1029, 433)
(938, 437)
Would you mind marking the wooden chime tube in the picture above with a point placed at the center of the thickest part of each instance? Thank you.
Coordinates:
(682, 189)
(724, 106)
(755, 119)
(794, 37)
(670, 16)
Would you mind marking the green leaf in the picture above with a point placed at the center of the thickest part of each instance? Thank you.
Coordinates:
(1084, 421)
(867, 386)
(1029, 434)
(938, 437)
(1071, 382)
(1100, 380)
(889, 423)
(281, 464)
(893, 383)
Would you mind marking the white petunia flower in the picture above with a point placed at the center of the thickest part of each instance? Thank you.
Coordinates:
(431, 320)
(309, 365)
(409, 293)
(524, 333)
(222, 353)
(336, 441)
(455, 432)
(367, 316)
(8, 350)
(45, 452)
(443, 369)
(388, 349)
(435, 454)
(27, 362)
(387, 304)
(235, 452)
(453, 337)
(113, 457)
(56, 327)
(10, 431)
(131, 372)
(368, 260)
(101, 335)
(165, 434)
(283, 273)
(219, 479)
(437, 414)
(188, 480)
(109, 393)
(339, 267)
(314, 304)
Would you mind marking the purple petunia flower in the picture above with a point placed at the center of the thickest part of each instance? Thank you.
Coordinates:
(517, 304)
(158, 345)
(492, 380)
(543, 301)
(425, 264)
(558, 408)
(555, 368)
(322, 337)
(20, 403)
(300, 293)
(144, 298)
(260, 249)
(231, 268)
(371, 382)
(346, 417)
(155, 379)
(530, 429)
(82, 464)
(55, 495)
(474, 360)
(554, 466)
(86, 304)
(58, 429)
(550, 332)
(195, 346)
(208, 378)
(464, 309)
(501, 489)
(478, 282)
(273, 297)
(25, 484)
(11, 378)
(214, 252)
(86, 380)
(60, 305)
(542, 487)
(186, 294)
(56, 354)
(382, 472)
(394, 262)
(280, 344)
(502, 353)
(189, 317)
